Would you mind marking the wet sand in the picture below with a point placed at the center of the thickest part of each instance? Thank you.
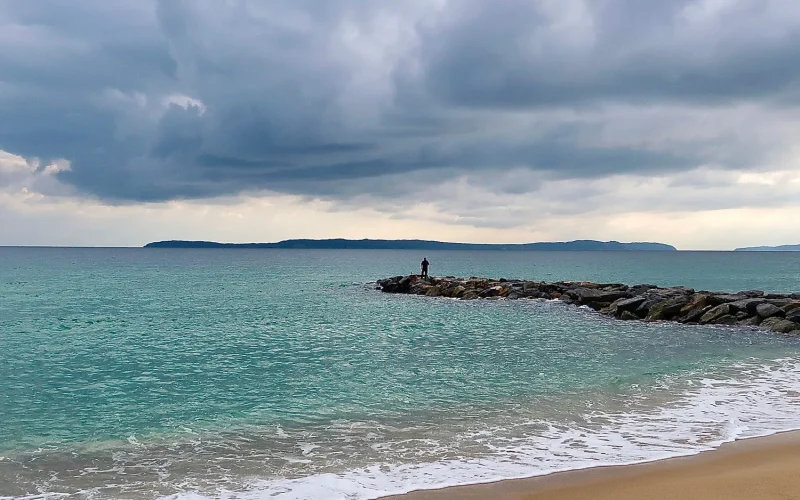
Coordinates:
(761, 468)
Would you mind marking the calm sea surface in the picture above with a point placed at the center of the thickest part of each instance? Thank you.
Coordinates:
(160, 373)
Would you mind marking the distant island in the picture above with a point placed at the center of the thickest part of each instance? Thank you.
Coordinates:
(366, 244)
(779, 248)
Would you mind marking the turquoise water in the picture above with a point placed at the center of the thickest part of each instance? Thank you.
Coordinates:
(144, 373)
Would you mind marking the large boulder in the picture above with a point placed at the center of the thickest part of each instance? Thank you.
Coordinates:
(620, 306)
(594, 297)
(780, 325)
(793, 315)
(614, 287)
(693, 316)
(715, 313)
(695, 308)
(629, 304)
(725, 320)
(398, 284)
(698, 301)
(791, 306)
(769, 310)
(752, 321)
(551, 288)
(656, 296)
(456, 292)
(531, 285)
(782, 302)
(494, 291)
(640, 289)
(432, 291)
(748, 305)
(716, 299)
(667, 309)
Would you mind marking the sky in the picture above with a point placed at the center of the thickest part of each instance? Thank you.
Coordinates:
(509, 121)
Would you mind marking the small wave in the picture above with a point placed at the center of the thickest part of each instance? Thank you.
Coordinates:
(680, 416)
(752, 402)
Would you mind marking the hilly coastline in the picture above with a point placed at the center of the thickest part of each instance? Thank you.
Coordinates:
(779, 248)
(368, 244)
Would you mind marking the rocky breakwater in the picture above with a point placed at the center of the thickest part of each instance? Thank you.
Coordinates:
(754, 308)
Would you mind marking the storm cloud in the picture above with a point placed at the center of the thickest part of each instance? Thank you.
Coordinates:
(176, 99)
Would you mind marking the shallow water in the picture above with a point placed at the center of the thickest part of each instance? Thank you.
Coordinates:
(144, 373)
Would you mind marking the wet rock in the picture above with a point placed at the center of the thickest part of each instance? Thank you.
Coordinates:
(748, 305)
(715, 313)
(623, 305)
(791, 306)
(725, 320)
(752, 321)
(793, 315)
(629, 304)
(716, 299)
(530, 286)
(616, 287)
(667, 309)
(769, 310)
(392, 285)
(780, 302)
(494, 291)
(589, 296)
(653, 297)
(780, 325)
(697, 302)
(433, 291)
(640, 289)
(693, 316)
(628, 316)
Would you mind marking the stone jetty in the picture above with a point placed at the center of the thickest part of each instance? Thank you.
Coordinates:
(753, 308)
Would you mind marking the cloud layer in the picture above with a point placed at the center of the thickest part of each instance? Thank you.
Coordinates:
(488, 112)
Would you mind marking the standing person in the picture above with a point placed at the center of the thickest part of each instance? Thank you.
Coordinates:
(425, 265)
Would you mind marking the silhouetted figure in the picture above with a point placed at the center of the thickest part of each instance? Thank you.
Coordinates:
(425, 265)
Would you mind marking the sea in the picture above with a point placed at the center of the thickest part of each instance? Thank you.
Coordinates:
(137, 373)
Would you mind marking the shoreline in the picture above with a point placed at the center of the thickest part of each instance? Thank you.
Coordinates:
(758, 467)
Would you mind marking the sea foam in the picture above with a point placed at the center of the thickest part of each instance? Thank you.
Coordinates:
(747, 400)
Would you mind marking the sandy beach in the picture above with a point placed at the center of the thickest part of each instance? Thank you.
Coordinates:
(761, 468)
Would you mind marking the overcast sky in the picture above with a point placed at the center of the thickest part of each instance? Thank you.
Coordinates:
(465, 120)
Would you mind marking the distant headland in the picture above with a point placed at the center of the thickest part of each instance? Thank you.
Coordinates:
(779, 248)
(366, 244)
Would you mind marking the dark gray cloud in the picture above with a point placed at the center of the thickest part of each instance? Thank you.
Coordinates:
(180, 99)
(515, 54)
